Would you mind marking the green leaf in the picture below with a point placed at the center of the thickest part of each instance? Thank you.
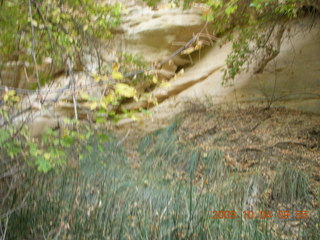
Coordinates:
(101, 120)
(93, 105)
(125, 90)
(48, 131)
(231, 10)
(103, 105)
(56, 142)
(34, 23)
(89, 149)
(103, 137)
(117, 75)
(154, 80)
(100, 148)
(43, 165)
(4, 135)
(84, 96)
(111, 97)
(67, 141)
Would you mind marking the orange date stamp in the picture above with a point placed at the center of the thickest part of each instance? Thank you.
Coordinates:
(281, 214)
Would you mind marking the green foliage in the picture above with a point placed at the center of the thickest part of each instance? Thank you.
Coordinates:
(151, 2)
(9, 146)
(290, 185)
(240, 54)
(50, 151)
(132, 62)
(11, 137)
(131, 81)
(164, 190)
(250, 18)
(60, 28)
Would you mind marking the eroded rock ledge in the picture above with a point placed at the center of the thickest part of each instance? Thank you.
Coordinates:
(290, 79)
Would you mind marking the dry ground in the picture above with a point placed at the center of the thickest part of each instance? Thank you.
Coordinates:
(254, 141)
(250, 138)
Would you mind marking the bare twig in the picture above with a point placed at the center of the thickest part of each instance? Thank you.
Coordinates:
(5, 229)
(74, 88)
(33, 46)
(46, 26)
(15, 209)
(12, 171)
(165, 209)
(274, 85)
(26, 74)
(124, 138)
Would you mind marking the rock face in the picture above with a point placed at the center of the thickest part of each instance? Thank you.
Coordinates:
(12, 74)
(22, 74)
(290, 80)
(153, 33)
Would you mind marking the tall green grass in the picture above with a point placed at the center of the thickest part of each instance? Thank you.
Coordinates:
(169, 195)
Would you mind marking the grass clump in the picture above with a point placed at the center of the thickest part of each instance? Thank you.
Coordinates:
(170, 192)
(290, 185)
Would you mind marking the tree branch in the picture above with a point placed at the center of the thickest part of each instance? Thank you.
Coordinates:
(33, 46)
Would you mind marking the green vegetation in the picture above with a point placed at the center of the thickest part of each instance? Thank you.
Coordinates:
(35, 32)
(290, 185)
(51, 151)
(80, 183)
(32, 31)
(164, 190)
(256, 21)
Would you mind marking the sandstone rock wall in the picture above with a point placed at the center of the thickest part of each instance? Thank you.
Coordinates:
(148, 32)
(290, 80)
